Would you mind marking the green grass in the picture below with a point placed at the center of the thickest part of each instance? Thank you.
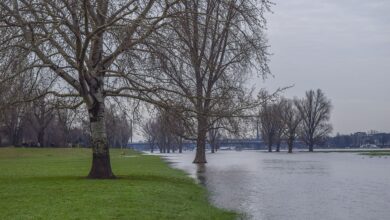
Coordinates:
(51, 184)
(376, 153)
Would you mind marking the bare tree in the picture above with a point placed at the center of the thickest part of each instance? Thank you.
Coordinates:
(280, 127)
(166, 131)
(117, 126)
(149, 130)
(269, 124)
(208, 49)
(214, 139)
(81, 45)
(13, 115)
(41, 114)
(291, 119)
(66, 120)
(315, 113)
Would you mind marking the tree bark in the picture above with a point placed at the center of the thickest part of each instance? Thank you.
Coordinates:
(40, 137)
(290, 148)
(200, 156)
(290, 143)
(101, 165)
(180, 146)
(311, 144)
(278, 146)
(270, 145)
(212, 144)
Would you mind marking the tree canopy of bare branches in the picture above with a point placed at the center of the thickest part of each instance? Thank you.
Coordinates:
(79, 46)
(206, 53)
(291, 118)
(315, 113)
(271, 125)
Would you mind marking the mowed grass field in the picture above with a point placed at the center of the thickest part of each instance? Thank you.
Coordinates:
(51, 184)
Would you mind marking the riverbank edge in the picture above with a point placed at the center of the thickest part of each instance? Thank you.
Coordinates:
(238, 215)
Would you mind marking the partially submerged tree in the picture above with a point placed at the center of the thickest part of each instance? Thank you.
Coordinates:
(291, 119)
(207, 50)
(279, 124)
(269, 124)
(314, 110)
(214, 137)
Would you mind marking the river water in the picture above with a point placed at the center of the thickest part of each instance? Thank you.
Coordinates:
(299, 186)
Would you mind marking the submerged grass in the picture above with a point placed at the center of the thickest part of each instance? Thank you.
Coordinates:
(376, 153)
(51, 184)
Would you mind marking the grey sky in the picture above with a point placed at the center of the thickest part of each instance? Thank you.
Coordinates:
(340, 46)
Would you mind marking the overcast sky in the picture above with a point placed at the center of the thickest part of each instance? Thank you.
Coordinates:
(340, 46)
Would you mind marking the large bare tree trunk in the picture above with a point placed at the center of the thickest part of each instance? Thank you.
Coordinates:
(270, 143)
(290, 143)
(311, 143)
(200, 156)
(212, 148)
(101, 166)
(278, 146)
(180, 146)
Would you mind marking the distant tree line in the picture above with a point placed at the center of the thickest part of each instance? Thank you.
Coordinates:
(306, 119)
(41, 123)
(164, 132)
(168, 131)
(278, 120)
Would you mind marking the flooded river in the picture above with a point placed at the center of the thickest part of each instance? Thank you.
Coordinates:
(299, 186)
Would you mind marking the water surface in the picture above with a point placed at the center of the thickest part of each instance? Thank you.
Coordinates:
(268, 186)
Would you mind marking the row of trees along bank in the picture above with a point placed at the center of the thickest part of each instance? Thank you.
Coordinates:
(278, 120)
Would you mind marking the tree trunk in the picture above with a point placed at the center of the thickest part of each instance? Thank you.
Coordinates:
(180, 146)
(290, 143)
(212, 145)
(40, 137)
(270, 145)
(290, 146)
(101, 165)
(15, 139)
(200, 156)
(311, 144)
(278, 146)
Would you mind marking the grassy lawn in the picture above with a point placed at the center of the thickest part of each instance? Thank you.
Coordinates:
(376, 153)
(51, 184)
